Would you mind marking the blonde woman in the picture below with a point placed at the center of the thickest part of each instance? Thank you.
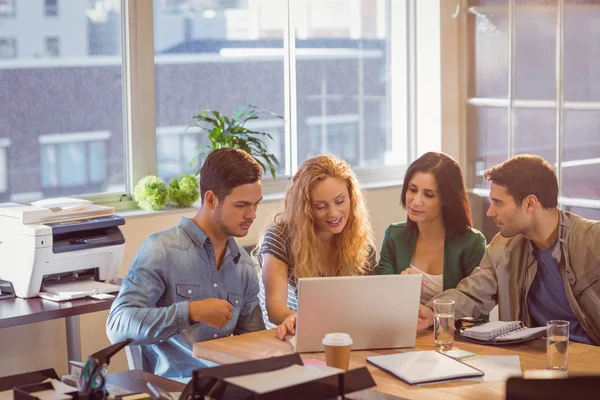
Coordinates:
(323, 230)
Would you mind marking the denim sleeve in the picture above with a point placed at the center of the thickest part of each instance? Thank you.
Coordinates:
(251, 318)
(134, 314)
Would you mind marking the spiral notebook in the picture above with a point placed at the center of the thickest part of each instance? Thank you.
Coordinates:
(502, 332)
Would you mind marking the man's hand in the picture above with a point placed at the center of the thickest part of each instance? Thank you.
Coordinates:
(410, 271)
(212, 312)
(287, 327)
(425, 317)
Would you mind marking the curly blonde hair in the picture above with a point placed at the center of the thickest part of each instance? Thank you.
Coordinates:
(353, 246)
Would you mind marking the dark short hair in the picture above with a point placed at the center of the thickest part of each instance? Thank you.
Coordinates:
(526, 174)
(225, 169)
(456, 213)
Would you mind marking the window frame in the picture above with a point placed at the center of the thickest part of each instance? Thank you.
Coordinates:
(4, 145)
(144, 131)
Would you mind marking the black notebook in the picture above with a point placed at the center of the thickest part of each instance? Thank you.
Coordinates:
(416, 367)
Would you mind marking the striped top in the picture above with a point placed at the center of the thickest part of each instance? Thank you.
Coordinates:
(276, 243)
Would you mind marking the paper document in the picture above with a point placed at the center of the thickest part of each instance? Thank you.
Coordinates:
(265, 382)
(76, 290)
(497, 368)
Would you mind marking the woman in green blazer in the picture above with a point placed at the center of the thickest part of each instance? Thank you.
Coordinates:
(437, 240)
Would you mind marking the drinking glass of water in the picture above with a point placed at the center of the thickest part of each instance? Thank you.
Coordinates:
(557, 347)
(443, 324)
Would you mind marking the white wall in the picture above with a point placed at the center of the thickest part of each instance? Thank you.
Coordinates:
(43, 345)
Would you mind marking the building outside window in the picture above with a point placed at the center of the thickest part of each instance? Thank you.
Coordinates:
(73, 162)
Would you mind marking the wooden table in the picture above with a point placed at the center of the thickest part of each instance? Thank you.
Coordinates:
(583, 359)
(18, 311)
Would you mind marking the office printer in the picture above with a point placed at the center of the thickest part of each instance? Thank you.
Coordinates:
(59, 242)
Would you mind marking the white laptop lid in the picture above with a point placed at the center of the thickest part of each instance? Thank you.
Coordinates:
(378, 312)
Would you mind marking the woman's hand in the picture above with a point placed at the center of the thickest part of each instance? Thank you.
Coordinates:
(288, 327)
(410, 271)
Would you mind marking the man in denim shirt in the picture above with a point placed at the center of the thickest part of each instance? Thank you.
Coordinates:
(193, 282)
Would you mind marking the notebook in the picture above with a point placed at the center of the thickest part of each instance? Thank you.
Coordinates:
(417, 367)
(498, 332)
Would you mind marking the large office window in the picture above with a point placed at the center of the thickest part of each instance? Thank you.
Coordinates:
(49, 106)
(215, 55)
(325, 68)
(533, 88)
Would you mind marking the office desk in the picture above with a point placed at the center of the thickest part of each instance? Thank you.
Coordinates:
(583, 359)
(17, 311)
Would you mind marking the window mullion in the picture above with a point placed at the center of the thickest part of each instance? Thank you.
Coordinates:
(511, 76)
(560, 32)
(140, 110)
(290, 100)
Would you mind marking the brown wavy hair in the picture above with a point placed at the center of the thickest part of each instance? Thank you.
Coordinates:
(353, 245)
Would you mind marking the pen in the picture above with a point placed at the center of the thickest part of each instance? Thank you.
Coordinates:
(230, 302)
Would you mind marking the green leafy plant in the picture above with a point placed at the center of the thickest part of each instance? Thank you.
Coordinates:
(184, 190)
(230, 131)
(151, 193)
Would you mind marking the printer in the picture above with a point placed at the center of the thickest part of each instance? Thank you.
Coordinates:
(58, 242)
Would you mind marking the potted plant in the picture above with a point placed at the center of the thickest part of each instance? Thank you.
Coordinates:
(230, 131)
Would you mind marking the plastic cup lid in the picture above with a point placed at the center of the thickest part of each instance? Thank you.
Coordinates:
(337, 339)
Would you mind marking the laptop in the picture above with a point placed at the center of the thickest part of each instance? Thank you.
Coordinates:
(378, 312)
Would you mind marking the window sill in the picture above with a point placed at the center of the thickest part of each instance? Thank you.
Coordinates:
(134, 213)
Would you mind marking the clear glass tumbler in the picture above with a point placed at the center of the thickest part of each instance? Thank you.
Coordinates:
(557, 345)
(443, 324)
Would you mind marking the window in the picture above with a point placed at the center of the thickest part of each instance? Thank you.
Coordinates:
(51, 8)
(342, 69)
(52, 46)
(63, 115)
(7, 8)
(214, 58)
(326, 71)
(4, 144)
(74, 163)
(533, 89)
(330, 81)
(8, 48)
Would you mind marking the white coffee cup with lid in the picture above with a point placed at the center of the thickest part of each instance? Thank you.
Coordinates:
(337, 350)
